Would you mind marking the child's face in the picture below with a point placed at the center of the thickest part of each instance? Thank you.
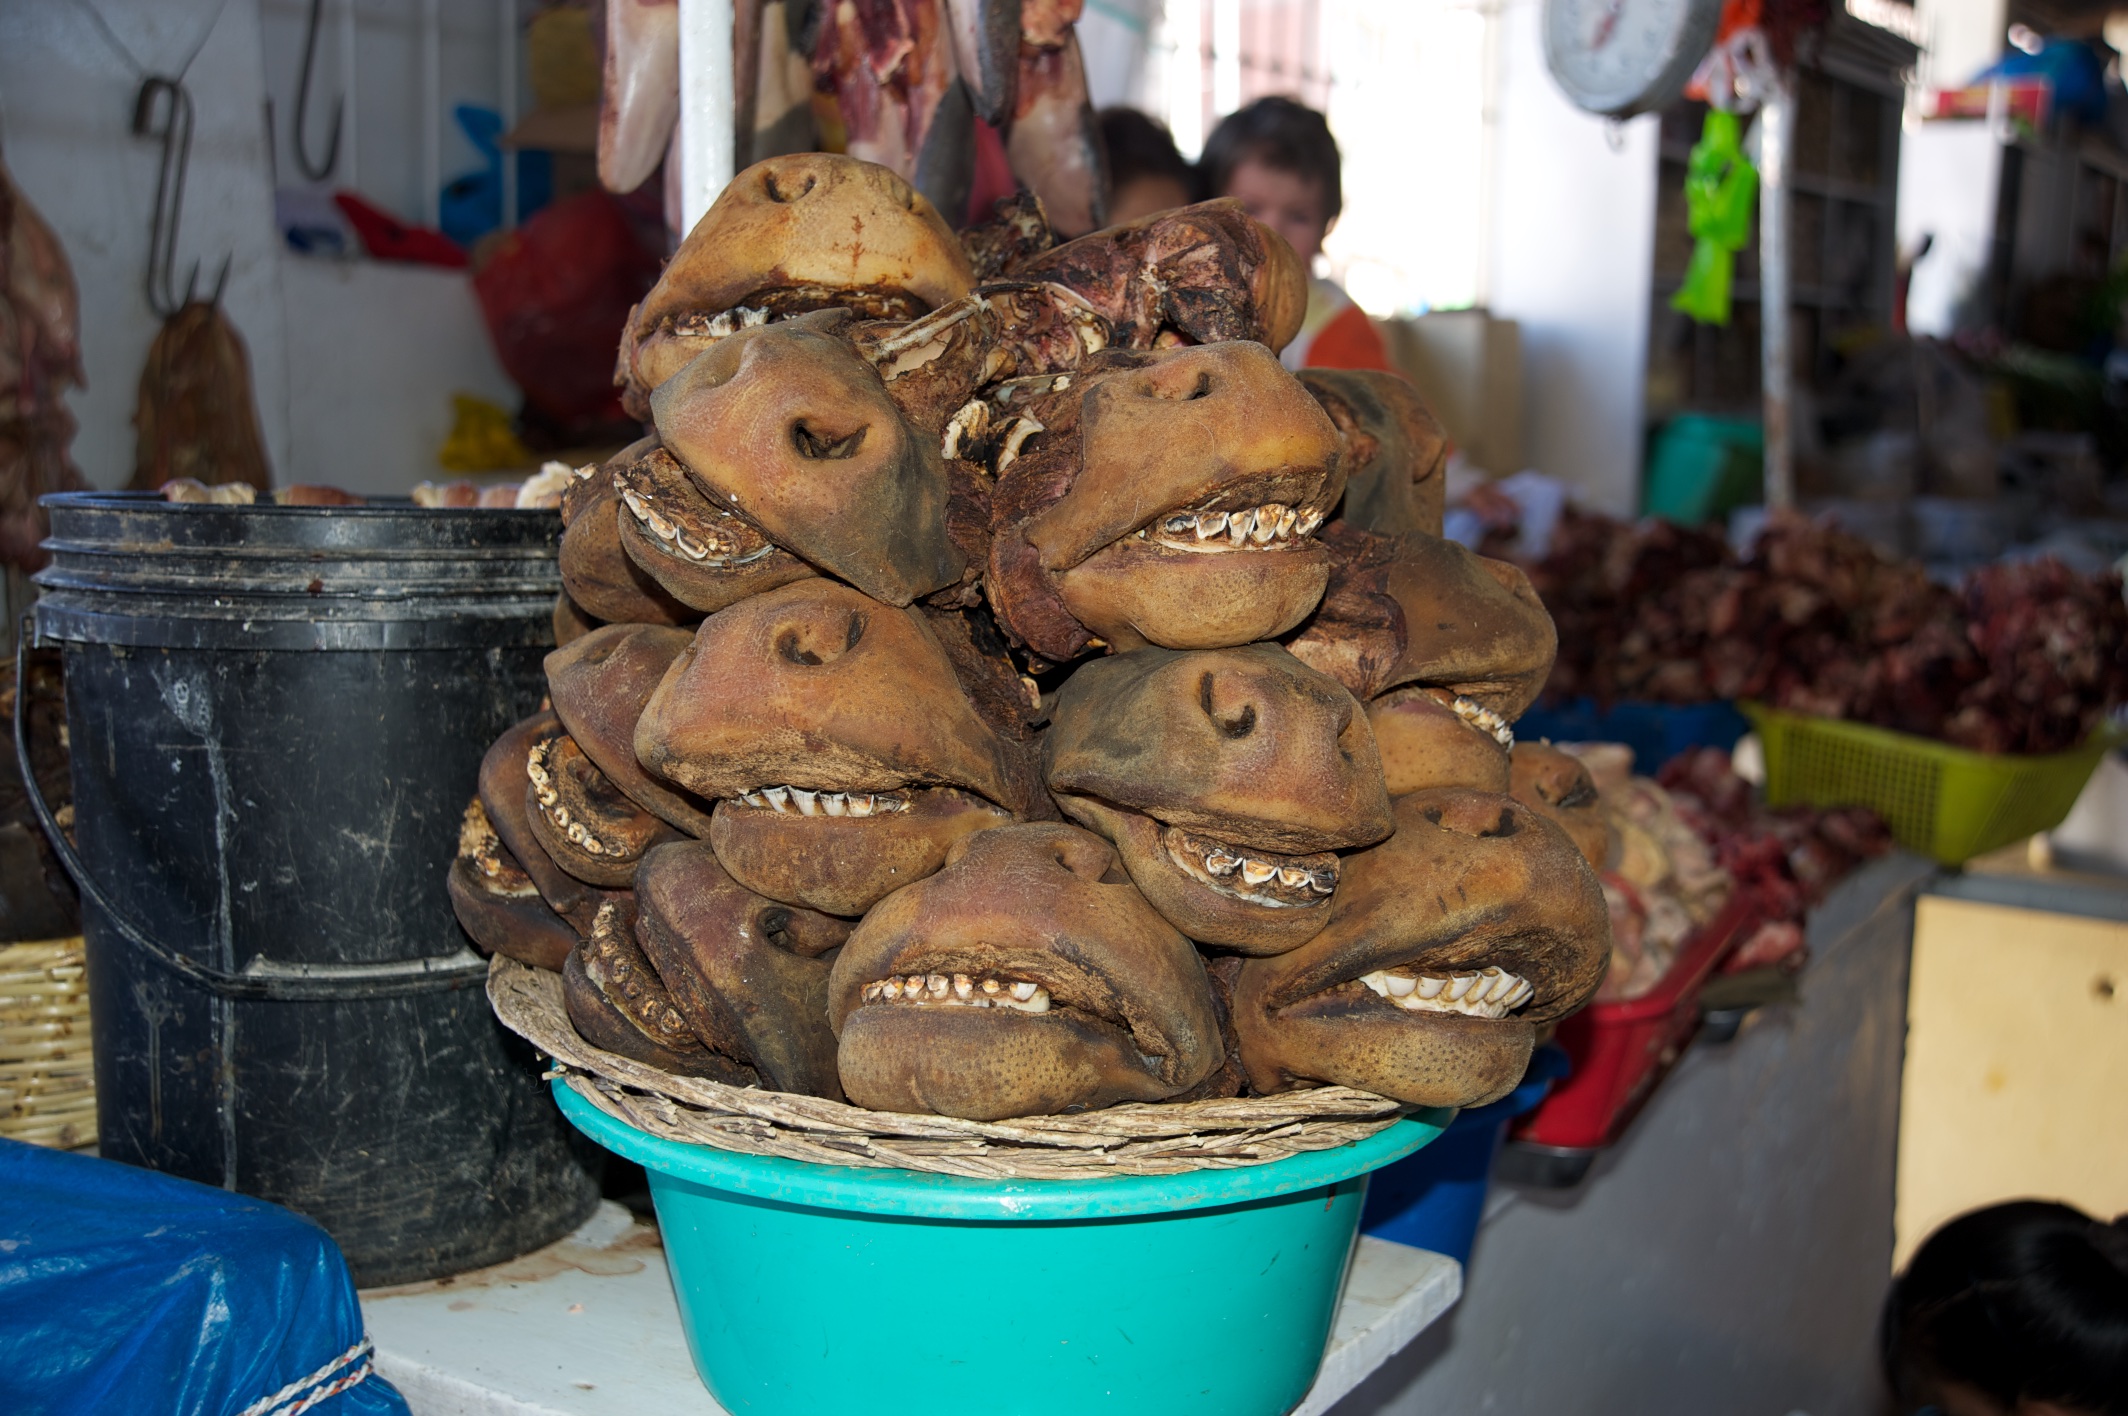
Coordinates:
(1287, 202)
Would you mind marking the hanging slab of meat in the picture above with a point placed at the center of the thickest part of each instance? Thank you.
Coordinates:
(639, 98)
(40, 359)
(889, 64)
(1055, 146)
(197, 416)
(986, 47)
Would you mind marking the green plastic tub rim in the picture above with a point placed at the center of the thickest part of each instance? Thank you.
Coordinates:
(884, 1191)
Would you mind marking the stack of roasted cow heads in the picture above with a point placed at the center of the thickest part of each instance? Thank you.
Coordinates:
(1013, 697)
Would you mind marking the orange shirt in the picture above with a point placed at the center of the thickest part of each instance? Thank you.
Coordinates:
(1335, 334)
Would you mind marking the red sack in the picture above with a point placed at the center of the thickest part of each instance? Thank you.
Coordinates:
(555, 294)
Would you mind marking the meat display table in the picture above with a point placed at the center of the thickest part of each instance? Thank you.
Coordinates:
(1730, 1252)
(589, 1327)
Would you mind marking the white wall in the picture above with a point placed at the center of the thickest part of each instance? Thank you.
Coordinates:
(353, 364)
(66, 104)
(1571, 259)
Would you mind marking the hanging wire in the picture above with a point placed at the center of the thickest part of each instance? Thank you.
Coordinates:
(163, 110)
(315, 171)
(118, 46)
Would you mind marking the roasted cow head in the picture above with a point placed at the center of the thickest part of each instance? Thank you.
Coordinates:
(1446, 648)
(1395, 449)
(1447, 945)
(808, 231)
(1194, 275)
(496, 902)
(617, 1001)
(1167, 499)
(599, 685)
(599, 576)
(1557, 785)
(748, 974)
(586, 824)
(845, 755)
(1226, 779)
(791, 432)
(1026, 978)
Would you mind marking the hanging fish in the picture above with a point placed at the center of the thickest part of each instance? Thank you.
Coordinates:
(890, 66)
(986, 48)
(1054, 144)
(639, 96)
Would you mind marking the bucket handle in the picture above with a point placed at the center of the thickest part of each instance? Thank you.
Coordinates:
(261, 979)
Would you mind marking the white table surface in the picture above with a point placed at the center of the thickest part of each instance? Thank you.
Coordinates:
(588, 1327)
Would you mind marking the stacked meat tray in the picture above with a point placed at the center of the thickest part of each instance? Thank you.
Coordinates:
(999, 688)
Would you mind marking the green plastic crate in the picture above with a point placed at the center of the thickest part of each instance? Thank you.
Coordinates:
(1947, 802)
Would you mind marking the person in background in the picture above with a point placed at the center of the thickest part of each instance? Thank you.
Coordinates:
(1277, 158)
(1145, 172)
(2020, 1309)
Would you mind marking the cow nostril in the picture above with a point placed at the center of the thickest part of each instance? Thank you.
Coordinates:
(825, 447)
(778, 192)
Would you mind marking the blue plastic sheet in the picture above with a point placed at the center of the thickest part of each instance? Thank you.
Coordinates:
(122, 1290)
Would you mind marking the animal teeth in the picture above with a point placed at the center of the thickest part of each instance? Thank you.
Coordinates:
(779, 798)
(1210, 524)
(1022, 429)
(1266, 519)
(1238, 527)
(860, 803)
(1256, 872)
(939, 985)
(1485, 720)
(1287, 519)
(1025, 991)
(1308, 522)
(958, 991)
(1293, 878)
(891, 988)
(991, 986)
(1218, 864)
(963, 986)
(1176, 525)
(1323, 882)
(1493, 993)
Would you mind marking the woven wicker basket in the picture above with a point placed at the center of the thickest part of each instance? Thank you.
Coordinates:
(1131, 1139)
(47, 1087)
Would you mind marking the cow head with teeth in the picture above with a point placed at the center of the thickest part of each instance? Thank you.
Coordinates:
(1557, 785)
(497, 904)
(1028, 977)
(1226, 779)
(599, 576)
(791, 431)
(1165, 499)
(586, 824)
(792, 234)
(1395, 449)
(1193, 275)
(505, 801)
(845, 753)
(1446, 648)
(699, 553)
(617, 1001)
(1447, 946)
(599, 684)
(749, 975)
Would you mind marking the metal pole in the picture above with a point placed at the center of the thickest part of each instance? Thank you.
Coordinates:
(432, 112)
(506, 18)
(1776, 151)
(705, 105)
(350, 108)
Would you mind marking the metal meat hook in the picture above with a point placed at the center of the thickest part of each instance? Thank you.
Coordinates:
(163, 110)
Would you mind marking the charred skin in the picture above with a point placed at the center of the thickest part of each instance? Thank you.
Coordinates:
(599, 685)
(1473, 892)
(699, 553)
(791, 234)
(1225, 779)
(1557, 785)
(834, 731)
(935, 365)
(1417, 609)
(1395, 449)
(497, 904)
(588, 826)
(1195, 275)
(598, 574)
(749, 975)
(1165, 499)
(616, 1001)
(1057, 987)
(790, 429)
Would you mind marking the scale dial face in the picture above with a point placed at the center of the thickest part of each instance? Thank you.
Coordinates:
(1622, 57)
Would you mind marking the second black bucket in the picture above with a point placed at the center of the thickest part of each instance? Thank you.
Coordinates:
(277, 716)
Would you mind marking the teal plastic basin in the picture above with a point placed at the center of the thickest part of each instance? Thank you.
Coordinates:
(818, 1289)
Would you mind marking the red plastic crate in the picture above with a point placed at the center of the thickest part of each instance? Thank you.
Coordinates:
(1621, 1050)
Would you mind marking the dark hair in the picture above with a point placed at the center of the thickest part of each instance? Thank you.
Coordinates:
(1139, 145)
(2026, 1301)
(1279, 133)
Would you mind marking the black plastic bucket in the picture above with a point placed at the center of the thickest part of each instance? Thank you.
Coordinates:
(277, 716)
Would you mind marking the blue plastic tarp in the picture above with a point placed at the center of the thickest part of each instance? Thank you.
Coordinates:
(122, 1290)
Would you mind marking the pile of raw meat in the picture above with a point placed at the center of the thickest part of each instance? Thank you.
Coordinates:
(2022, 658)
